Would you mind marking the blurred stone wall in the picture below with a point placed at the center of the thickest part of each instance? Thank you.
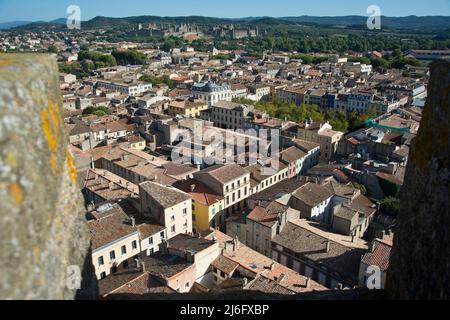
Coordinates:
(43, 233)
(420, 262)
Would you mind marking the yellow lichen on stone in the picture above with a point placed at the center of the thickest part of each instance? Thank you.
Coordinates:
(72, 170)
(11, 159)
(50, 121)
(4, 62)
(36, 253)
(15, 192)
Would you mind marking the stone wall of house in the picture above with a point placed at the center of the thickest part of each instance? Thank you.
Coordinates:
(44, 239)
(420, 263)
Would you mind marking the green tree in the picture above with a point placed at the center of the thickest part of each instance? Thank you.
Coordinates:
(390, 206)
(52, 49)
(97, 111)
(360, 187)
(129, 57)
(363, 60)
(379, 63)
(156, 81)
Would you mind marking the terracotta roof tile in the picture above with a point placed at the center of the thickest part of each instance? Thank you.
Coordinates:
(379, 257)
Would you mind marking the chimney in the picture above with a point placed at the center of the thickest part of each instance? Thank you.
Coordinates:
(133, 222)
(235, 244)
(193, 187)
(91, 206)
(281, 277)
(163, 247)
(245, 283)
(328, 246)
(372, 247)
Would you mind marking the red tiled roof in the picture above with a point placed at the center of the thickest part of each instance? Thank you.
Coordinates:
(224, 264)
(201, 193)
(379, 257)
(389, 177)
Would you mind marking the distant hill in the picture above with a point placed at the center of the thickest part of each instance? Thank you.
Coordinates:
(269, 21)
(410, 22)
(104, 22)
(405, 23)
(59, 21)
(35, 25)
(12, 24)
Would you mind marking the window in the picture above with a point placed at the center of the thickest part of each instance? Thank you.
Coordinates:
(172, 218)
(124, 250)
(134, 245)
(101, 261)
(162, 235)
(102, 275)
(184, 211)
(150, 240)
(173, 229)
(187, 285)
(112, 255)
(151, 251)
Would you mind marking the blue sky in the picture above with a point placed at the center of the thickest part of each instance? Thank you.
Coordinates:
(33, 10)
